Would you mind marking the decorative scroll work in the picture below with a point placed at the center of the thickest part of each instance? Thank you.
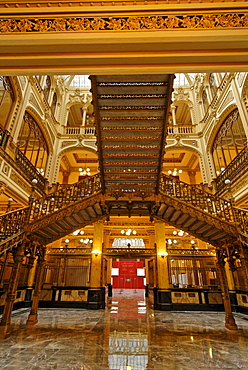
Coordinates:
(205, 21)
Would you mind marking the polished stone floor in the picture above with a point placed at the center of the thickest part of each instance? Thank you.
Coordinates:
(125, 336)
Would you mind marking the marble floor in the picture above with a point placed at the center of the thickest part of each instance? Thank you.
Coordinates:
(126, 335)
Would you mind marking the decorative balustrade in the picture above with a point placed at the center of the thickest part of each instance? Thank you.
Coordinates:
(81, 130)
(63, 197)
(234, 170)
(176, 129)
(204, 201)
(12, 222)
(30, 171)
(198, 198)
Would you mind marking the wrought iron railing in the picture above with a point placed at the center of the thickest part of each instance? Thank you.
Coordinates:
(234, 170)
(204, 201)
(63, 197)
(198, 198)
(12, 222)
(30, 171)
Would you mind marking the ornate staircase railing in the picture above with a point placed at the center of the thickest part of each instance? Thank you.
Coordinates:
(207, 202)
(13, 223)
(238, 166)
(64, 197)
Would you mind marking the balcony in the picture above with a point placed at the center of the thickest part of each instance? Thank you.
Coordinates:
(88, 131)
(177, 129)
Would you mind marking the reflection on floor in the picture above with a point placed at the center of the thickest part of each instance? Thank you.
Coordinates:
(125, 336)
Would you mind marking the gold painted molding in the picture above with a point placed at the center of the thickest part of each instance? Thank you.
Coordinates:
(116, 23)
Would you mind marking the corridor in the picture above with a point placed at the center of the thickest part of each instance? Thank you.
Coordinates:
(126, 335)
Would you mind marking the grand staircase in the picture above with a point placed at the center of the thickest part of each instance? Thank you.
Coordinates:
(131, 113)
(204, 215)
(55, 215)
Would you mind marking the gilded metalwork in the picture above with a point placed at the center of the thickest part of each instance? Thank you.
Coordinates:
(132, 23)
(130, 128)
(140, 107)
(140, 83)
(131, 96)
(128, 118)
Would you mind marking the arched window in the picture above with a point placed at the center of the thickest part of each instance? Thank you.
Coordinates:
(32, 143)
(212, 84)
(47, 87)
(229, 141)
(6, 100)
(54, 103)
(205, 100)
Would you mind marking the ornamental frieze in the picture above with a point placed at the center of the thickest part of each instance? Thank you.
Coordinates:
(79, 24)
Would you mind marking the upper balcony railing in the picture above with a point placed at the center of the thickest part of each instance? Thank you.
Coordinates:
(80, 130)
(177, 129)
(233, 171)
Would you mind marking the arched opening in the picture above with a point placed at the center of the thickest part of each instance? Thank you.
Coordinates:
(7, 98)
(183, 164)
(32, 143)
(76, 165)
(229, 141)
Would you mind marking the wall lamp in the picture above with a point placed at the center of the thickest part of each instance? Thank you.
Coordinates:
(162, 254)
(96, 252)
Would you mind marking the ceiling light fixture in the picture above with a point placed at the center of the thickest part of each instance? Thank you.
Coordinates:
(175, 171)
(86, 171)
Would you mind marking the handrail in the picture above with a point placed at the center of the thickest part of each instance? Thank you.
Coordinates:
(237, 166)
(198, 198)
(13, 222)
(63, 197)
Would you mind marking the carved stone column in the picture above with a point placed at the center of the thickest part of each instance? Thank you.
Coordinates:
(33, 316)
(84, 115)
(230, 321)
(11, 293)
(173, 111)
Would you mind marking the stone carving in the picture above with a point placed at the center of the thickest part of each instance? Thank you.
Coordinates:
(202, 21)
